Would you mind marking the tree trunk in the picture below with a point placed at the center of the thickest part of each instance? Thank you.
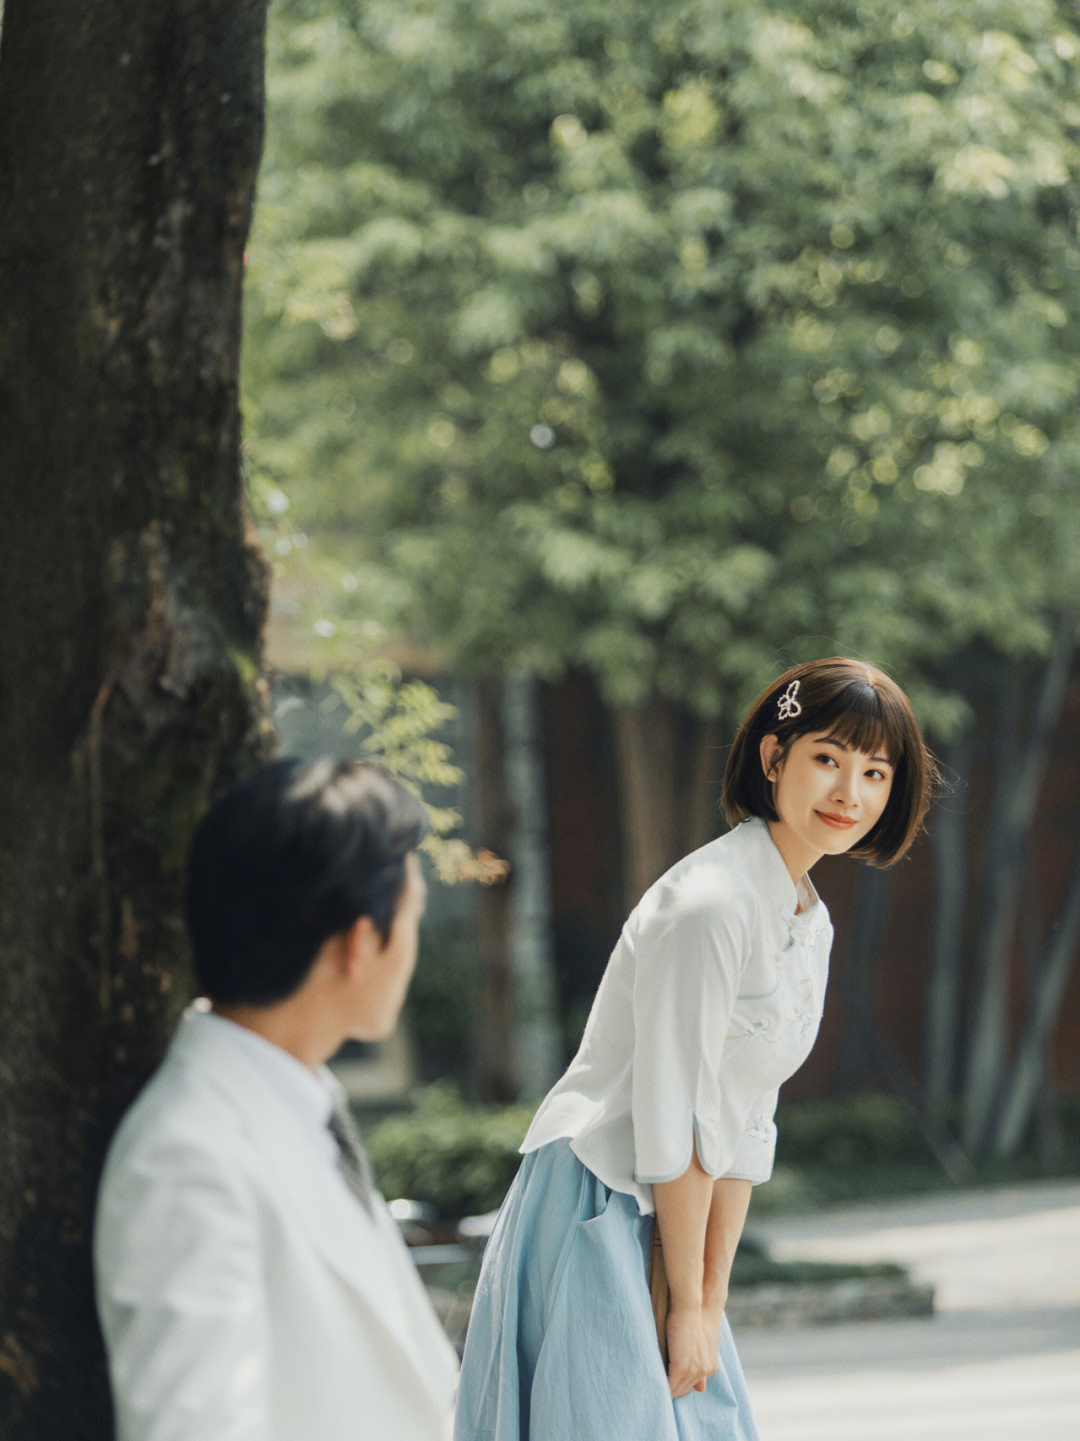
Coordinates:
(496, 1069)
(131, 596)
(1021, 784)
(857, 1046)
(669, 775)
(1024, 1085)
(948, 839)
(536, 1032)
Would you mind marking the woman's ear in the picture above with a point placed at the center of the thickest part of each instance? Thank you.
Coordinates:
(770, 756)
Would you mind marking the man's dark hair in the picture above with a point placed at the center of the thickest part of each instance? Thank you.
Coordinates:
(292, 855)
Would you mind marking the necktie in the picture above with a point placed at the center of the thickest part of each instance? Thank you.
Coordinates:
(352, 1158)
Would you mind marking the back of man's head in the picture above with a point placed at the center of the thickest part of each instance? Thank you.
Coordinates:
(292, 855)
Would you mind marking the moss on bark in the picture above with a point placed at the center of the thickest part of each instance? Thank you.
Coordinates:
(132, 602)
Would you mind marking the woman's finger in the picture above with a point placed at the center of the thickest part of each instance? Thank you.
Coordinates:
(683, 1382)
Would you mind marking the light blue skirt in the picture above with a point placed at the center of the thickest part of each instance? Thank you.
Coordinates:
(561, 1343)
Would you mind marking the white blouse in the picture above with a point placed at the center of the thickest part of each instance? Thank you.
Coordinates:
(711, 999)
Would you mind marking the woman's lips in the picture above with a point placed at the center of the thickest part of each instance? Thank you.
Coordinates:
(839, 823)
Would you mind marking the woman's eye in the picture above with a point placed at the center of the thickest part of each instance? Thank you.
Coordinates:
(831, 760)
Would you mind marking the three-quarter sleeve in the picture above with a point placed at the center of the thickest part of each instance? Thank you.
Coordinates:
(690, 944)
(756, 1149)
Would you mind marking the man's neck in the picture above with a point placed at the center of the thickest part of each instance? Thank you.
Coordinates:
(292, 1026)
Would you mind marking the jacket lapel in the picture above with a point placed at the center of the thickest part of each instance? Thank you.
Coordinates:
(363, 1249)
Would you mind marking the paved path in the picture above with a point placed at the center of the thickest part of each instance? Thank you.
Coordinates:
(1000, 1361)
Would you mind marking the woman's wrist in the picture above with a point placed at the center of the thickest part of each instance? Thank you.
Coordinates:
(715, 1297)
(714, 1288)
(686, 1289)
(687, 1305)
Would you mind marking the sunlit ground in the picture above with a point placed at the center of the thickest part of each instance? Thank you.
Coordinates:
(999, 1361)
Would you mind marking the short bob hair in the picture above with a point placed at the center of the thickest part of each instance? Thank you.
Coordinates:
(291, 855)
(858, 705)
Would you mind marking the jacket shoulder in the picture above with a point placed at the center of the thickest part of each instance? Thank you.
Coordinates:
(178, 1120)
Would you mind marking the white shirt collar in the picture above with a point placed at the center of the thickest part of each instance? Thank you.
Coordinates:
(310, 1095)
(797, 904)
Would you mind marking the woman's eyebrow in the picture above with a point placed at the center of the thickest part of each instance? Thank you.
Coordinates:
(843, 745)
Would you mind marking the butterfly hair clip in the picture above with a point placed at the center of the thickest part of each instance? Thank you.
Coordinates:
(788, 706)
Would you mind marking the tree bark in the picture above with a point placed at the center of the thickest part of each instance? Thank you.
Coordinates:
(949, 843)
(537, 1053)
(859, 1039)
(1021, 784)
(132, 599)
(669, 777)
(1024, 1084)
(496, 1064)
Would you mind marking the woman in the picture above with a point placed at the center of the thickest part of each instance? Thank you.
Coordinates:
(664, 1119)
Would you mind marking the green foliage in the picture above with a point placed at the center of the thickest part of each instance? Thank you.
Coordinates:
(679, 341)
(458, 1158)
(758, 1268)
(441, 1005)
(399, 722)
(1067, 1119)
(871, 1145)
(461, 1158)
(860, 1133)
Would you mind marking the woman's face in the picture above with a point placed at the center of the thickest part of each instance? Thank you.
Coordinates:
(828, 797)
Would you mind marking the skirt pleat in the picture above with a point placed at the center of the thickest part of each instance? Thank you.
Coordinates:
(561, 1343)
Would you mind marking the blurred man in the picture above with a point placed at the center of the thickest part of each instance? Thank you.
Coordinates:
(251, 1282)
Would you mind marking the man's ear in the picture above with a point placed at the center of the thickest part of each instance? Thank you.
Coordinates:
(360, 943)
(770, 756)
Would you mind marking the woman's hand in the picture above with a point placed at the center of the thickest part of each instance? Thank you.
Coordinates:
(700, 1220)
(693, 1337)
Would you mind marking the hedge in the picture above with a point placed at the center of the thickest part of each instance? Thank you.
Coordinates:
(460, 1158)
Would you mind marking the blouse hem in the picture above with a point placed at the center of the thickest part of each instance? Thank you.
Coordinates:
(695, 1145)
(742, 1176)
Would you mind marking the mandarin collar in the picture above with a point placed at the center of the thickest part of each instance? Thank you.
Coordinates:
(777, 884)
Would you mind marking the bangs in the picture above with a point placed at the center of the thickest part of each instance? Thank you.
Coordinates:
(859, 718)
(858, 706)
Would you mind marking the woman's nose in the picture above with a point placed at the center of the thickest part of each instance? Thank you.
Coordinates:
(843, 787)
